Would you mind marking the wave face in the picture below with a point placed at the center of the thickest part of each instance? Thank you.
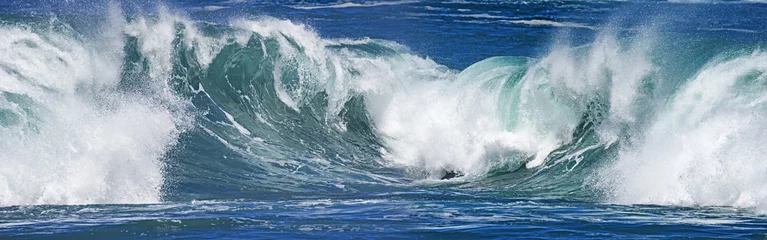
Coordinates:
(162, 108)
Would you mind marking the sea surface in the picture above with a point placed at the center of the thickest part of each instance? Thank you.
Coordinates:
(383, 119)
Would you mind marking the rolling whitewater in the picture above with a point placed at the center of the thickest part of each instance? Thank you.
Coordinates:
(385, 119)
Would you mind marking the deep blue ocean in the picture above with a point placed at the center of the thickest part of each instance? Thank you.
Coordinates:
(383, 119)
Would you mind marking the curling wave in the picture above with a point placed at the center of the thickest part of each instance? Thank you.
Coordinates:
(164, 108)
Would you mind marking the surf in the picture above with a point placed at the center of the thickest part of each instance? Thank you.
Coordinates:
(160, 107)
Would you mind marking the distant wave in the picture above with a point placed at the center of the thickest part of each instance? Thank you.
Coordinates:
(476, 16)
(690, 1)
(715, 1)
(729, 30)
(430, 8)
(353, 5)
(541, 22)
(441, 9)
(483, 15)
(213, 8)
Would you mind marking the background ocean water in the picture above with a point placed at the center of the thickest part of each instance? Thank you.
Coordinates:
(383, 119)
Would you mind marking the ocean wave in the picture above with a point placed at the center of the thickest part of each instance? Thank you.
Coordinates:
(715, 1)
(212, 8)
(729, 30)
(164, 107)
(541, 22)
(474, 16)
(353, 5)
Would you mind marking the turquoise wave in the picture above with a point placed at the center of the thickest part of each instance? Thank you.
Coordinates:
(162, 108)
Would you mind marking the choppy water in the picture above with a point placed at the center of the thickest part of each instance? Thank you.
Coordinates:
(388, 119)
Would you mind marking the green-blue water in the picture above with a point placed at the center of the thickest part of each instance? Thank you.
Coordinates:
(390, 119)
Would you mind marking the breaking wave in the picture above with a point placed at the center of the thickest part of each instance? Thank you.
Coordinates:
(149, 109)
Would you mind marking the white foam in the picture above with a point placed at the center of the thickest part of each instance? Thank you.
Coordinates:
(76, 139)
(83, 154)
(706, 146)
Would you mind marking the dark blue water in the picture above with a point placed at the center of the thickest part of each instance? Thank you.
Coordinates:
(383, 119)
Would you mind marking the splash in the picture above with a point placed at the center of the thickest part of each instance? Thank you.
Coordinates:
(72, 133)
(704, 147)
